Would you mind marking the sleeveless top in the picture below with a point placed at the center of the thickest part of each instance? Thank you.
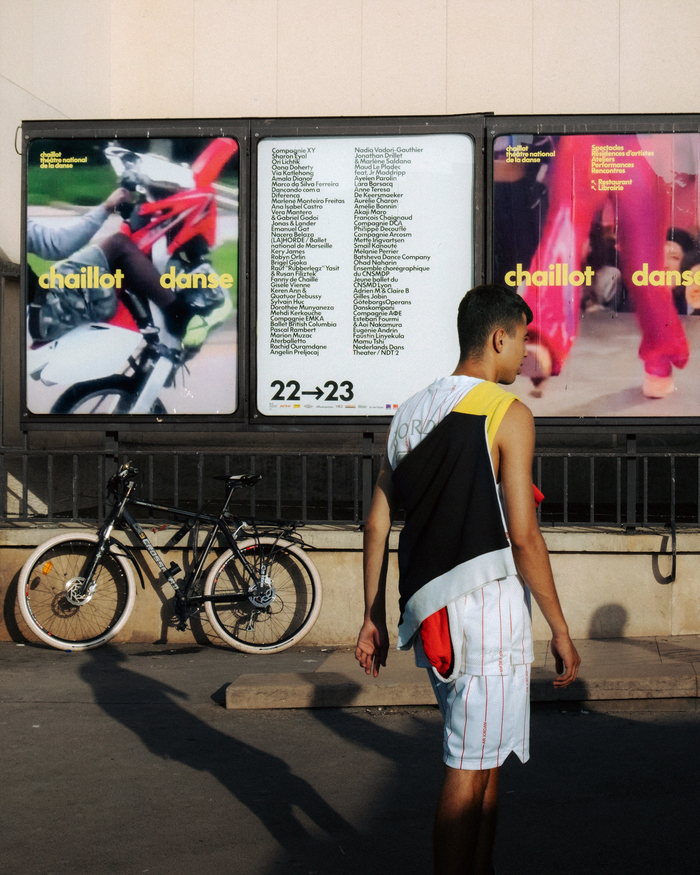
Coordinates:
(454, 541)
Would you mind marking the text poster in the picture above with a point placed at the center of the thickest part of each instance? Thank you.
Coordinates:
(131, 276)
(365, 248)
(599, 233)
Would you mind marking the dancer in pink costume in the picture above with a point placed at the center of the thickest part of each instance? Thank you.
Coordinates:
(644, 212)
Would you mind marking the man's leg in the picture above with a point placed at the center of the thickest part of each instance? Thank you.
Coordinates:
(465, 822)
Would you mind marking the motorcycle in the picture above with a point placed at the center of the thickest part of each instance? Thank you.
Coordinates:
(172, 219)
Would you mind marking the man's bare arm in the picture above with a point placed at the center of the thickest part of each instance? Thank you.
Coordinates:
(515, 444)
(373, 641)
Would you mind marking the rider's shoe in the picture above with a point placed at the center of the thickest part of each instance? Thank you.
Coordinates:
(200, 325)
(197, 309)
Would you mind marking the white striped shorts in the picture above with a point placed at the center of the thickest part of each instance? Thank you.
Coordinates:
(486, 718)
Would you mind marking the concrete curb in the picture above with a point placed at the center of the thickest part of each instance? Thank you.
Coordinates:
(627, 669)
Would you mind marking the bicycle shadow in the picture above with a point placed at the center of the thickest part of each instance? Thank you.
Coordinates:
(292, 811)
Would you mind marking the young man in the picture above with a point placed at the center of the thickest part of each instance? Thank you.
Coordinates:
(459, 459)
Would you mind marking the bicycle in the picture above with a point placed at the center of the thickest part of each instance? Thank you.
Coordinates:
(262, 595)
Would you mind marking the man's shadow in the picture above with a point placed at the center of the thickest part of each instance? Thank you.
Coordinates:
(262, 782)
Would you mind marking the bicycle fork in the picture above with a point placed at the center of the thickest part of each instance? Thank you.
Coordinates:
(79, 590)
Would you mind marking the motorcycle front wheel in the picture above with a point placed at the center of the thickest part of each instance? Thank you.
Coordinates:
(114, 394)
(49, 596)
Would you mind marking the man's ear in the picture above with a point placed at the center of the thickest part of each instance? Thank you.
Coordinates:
(498, 339)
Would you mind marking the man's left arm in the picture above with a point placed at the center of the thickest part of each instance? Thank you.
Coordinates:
(516, 444)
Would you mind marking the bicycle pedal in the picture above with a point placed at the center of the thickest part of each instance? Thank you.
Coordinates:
(174, 569)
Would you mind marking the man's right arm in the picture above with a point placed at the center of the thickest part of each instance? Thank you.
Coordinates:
(515, 442)
(373, 641)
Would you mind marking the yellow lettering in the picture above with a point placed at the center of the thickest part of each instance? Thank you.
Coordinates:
(167, 280)
(641, 277)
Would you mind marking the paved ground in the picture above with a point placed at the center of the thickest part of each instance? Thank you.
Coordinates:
(123, 760)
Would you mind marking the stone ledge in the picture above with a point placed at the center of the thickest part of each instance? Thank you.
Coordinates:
(340, 683)
(343, 538)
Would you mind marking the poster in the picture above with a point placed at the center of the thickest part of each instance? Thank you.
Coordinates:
(599, 233)
(131, 276)
(365, 248)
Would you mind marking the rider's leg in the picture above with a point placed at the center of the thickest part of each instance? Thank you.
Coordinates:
(138, 269)
(190, 314)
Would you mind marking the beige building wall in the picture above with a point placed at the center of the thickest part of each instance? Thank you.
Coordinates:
(63, 59)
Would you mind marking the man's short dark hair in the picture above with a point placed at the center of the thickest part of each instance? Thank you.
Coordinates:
(483, 310)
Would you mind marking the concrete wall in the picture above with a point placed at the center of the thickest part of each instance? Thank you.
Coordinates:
(611, 585)
(230, 58)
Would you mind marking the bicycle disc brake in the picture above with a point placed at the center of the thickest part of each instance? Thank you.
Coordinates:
(73, 591)
(264, 593)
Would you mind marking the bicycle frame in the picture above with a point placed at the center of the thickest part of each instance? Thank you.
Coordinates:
(188, 601)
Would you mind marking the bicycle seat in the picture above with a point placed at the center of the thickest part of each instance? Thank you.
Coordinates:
(239, 479)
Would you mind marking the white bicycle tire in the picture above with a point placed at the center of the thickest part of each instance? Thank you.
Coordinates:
(275, 643)
(26, 587)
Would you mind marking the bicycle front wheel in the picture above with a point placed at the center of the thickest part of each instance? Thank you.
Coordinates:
(53, 609)
(270, 610)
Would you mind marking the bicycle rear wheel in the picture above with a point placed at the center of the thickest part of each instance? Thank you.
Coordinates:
(269, 616)
(52, 610)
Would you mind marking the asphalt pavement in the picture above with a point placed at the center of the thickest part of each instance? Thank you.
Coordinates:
(125, 760)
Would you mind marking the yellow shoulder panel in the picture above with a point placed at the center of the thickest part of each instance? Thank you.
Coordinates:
(489, 400)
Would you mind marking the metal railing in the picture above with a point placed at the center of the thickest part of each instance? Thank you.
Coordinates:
(52, 486)
(624, 490)
(611, 487)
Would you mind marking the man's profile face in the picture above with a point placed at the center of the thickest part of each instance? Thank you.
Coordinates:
(514, 353)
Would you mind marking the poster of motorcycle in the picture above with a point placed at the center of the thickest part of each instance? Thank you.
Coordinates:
(132, 276)
(600, 234)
